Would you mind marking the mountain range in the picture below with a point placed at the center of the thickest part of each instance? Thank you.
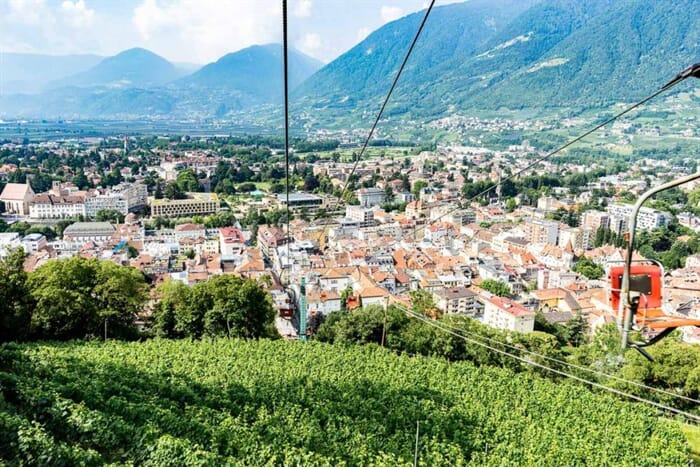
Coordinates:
(481, 55)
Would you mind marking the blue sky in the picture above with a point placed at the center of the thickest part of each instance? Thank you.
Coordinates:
(195, 31)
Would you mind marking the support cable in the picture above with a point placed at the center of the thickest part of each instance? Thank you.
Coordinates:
(286, 127)
(663, 407)
(562, 362)
(386, 99)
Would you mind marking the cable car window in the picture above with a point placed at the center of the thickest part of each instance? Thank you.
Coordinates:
(639, 283)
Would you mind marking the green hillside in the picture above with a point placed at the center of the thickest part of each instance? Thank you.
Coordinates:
(231, 402)
(546, 56)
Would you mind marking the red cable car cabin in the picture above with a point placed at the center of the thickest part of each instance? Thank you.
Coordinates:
(647, 280)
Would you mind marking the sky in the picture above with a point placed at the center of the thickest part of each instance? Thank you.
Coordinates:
(192, 31)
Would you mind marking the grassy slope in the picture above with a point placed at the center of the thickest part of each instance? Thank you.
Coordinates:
(228, 402)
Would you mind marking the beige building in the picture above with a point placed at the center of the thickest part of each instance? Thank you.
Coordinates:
(459, 300)
(502, 313)
(17, 198)
(194, 204)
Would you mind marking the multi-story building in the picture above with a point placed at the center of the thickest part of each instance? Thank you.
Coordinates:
(50, 206)
(459, 300)
(580, 238)
(372, 196)
(303, 201)
(595, 220)
(125, 198)
(541, 231)
(17, 198)
(194, 204)
(503, 313)
(33, 243)
(231, 241)
(647, 219)
(83, 232)
(461, 217)
(360, 214)
(269, 238)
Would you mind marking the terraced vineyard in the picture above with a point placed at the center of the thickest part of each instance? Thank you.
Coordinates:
(231, 402)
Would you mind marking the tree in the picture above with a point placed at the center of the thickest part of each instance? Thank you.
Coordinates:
(224, 305)
(588, 268)
(344, 295)
(15, 302)
(172, 191)
(418, 185)
(109, 215)
(311, 182)
(74, 298)
(422, 302)
(187, 181)
(496, 287)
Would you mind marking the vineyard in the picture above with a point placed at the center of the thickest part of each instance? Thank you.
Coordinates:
(233, 402)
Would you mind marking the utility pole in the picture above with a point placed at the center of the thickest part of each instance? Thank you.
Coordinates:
(384, 327)
(415, 455)
(302, 310)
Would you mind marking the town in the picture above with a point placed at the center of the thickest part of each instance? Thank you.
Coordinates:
(405, 225)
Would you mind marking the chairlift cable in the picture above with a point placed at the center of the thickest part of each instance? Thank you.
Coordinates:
(660, 406)
(563, 362)
(386, 99)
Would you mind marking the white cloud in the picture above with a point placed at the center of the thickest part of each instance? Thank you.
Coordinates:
(27, 11)
(78, 14)
(204, 30)
(310, 44)
(390, 13)
(302, 9)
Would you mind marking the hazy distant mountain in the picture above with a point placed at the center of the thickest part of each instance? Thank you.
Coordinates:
(138, 83)
(481, 55)
(131, 68)
(256, 70)
(29, 73)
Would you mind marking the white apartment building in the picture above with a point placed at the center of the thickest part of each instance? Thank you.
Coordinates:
(503, 313)
(648, 218)
(48, 206)
(369, 197)
(456, 300)
(541, 231)
(360, 214)
(125, 198)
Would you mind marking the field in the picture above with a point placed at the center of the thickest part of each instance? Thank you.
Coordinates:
(231, 402)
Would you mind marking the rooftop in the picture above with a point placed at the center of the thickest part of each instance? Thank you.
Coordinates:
(89, 228)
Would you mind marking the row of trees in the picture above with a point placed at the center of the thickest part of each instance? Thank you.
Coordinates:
(676, 364)
(81, 298)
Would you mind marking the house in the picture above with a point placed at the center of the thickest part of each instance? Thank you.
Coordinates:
(323, 302)
(505, 314)
(231, 241)
(17, 198)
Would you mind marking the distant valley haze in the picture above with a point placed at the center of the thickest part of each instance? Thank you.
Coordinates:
(483, 55)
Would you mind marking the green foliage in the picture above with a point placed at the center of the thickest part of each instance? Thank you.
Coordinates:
(422, 302)
(496, 287)
(230, 402)
(187, 181)
(109, 215)
(224, 305)
(74, 297)
(588, 268)
(15, 303)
